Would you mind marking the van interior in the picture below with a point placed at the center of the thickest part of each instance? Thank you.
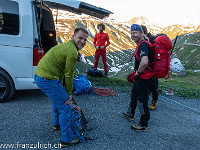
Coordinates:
(47, 28)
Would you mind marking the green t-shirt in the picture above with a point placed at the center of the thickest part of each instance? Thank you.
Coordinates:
(57, 62)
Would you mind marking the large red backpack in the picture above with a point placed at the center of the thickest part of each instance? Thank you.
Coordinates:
(162, 52)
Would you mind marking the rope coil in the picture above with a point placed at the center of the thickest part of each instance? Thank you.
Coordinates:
(76, 125)
(105, 91)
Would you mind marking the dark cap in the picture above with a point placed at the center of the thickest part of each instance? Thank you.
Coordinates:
(136, 27)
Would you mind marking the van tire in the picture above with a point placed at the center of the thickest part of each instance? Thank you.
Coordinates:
(7, 87)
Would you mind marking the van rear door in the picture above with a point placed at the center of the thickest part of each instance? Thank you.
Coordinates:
(78, 7)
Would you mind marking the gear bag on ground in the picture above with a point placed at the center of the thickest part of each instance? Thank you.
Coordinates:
(81, 85)
(94, 72)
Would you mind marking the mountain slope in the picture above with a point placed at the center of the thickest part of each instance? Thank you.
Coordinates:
(188, 50)
(118, 63)
(121, 43)
(119, 34)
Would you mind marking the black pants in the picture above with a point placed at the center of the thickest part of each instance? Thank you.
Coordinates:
(154, 89)
(140, 96)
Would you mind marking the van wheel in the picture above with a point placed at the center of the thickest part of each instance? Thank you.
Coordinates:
(7, 87)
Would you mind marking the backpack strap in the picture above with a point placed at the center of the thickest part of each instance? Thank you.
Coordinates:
(147, 73)
(136, 51)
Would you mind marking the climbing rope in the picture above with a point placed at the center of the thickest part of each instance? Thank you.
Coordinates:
(105, 92)
(76, 125)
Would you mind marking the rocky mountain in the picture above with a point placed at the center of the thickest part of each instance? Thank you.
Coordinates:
(171, 31)
(119, 32)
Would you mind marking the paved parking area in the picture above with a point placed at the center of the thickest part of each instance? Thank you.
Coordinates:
(27, 120)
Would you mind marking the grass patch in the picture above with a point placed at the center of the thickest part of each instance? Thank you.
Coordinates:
(187, 86)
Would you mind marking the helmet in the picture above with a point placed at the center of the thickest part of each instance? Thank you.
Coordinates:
(176, 66)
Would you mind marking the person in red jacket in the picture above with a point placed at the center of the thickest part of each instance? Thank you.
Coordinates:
(101, 41)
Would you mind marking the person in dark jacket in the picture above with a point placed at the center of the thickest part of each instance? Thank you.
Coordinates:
(154, 89)
(143, 80)
(147, 35)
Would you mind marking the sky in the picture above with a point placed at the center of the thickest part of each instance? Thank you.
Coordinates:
(164, 12)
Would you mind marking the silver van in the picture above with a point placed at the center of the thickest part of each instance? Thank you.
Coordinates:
(27, 32)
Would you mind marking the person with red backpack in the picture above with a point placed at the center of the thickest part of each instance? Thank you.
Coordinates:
(147, 35)
(143, 79)
(101, 41)
(154, 89)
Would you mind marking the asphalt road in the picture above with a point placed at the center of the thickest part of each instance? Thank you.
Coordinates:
(26, 122)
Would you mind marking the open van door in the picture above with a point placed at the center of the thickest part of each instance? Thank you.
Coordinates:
(46, 30)
(78, 7)
(45, 22)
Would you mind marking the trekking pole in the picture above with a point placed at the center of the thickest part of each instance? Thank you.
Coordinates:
(174, 43)
(132, 57)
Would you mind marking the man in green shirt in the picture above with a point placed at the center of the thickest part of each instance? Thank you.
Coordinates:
(56, 64)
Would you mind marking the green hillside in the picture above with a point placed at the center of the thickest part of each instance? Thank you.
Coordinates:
(187, 49)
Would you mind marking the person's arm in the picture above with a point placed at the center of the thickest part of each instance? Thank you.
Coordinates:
(69, 72)
(108, 41)
(143, 57)
(143, 64)
(95, 40)
(69, 75)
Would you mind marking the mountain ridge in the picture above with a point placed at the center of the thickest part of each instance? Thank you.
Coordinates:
(119, 32)
(118, 53)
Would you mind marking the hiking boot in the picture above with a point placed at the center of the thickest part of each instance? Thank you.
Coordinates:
(106, 74)
(56, 127)
(138, 127)
(66, 144)
(128, 114)
(153, 105)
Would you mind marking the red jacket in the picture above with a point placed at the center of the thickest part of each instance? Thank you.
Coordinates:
(100, 39)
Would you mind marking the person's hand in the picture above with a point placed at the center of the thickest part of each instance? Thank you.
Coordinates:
(137, 73)
(69, 101)
(97, 47)
(102, 47)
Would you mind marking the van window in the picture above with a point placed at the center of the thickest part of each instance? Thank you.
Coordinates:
(9, 17)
